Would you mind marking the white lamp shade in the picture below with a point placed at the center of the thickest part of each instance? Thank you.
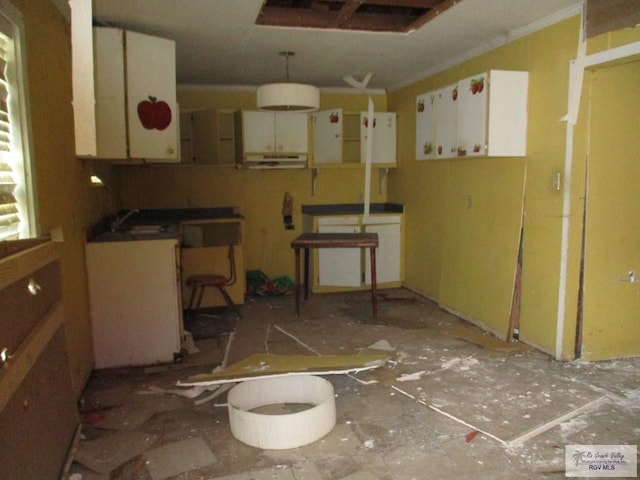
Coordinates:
(288, 97)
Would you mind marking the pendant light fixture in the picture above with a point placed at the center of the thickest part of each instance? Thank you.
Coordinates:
(288, 97)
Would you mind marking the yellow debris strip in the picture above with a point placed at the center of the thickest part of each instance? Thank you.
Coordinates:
(264, 364)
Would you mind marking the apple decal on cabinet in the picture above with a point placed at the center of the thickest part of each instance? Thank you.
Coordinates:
(154, 114)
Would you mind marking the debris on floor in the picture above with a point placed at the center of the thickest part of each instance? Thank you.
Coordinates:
(442, 399)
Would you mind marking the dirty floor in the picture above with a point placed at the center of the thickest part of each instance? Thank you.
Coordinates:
(451, 402)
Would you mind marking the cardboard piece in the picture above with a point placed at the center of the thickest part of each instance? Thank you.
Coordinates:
(267, 365)
(282, 430)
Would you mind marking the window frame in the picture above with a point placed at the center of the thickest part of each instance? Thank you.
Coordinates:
(12, 26)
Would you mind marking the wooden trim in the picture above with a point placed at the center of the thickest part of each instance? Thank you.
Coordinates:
(16, 369)
(23, 263)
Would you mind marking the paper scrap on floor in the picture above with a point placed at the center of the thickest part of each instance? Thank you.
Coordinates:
(264, 364)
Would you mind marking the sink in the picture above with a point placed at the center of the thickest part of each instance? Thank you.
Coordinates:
(137, 232)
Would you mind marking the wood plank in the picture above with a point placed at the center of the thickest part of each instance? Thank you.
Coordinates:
(18, 265)
(27, 354)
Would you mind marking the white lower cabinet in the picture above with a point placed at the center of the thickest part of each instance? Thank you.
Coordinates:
(339, 267)
(389, 254)
(350, 268)
(136, 311)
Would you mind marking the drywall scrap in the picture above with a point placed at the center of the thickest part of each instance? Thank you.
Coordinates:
(269, 365)
(111, 451)
(178, 457)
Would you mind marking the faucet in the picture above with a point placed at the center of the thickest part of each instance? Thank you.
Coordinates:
(115, 225)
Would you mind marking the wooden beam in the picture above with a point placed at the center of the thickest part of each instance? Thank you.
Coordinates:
(435, 11)
(346, 12)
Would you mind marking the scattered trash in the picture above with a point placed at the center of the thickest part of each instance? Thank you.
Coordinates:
(258, 283)
(470, 436)
(381, 345)
(409, 377)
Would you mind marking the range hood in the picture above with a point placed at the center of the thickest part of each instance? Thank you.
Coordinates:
(274, 161)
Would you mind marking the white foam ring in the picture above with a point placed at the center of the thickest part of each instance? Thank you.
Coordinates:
(290, 430)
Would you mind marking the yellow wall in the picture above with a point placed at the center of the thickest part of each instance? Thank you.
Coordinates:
(62, 181)
(470, 254)
(448, 258)
(257, 193)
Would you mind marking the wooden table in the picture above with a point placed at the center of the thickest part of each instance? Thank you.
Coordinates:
(334, 240)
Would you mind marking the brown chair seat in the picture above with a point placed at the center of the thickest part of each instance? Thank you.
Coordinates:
(201, 281)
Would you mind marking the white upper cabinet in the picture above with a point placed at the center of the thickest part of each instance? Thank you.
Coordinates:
(483, 115)
(134, 84)
(340, 138)
(151, 93)
(275, 133)
(383, 149)
(327, 137)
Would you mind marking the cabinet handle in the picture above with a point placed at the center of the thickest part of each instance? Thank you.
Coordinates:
(33, 287)
(170, 150)
(4, 355)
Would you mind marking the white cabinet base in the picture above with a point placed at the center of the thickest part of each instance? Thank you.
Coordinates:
(135, 303)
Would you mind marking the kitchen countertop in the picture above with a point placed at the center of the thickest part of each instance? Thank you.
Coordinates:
(351, 208)
(154, 224)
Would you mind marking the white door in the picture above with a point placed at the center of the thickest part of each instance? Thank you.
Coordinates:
(425, 126)
(339, 267)
(387, 254)
(292, 132)
(384, 137)
(110, 105)
(447, 127)
(258, 132)
(327, 137)
(151, 98)
(472, 115)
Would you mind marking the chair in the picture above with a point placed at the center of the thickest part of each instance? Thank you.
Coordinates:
(199, 282)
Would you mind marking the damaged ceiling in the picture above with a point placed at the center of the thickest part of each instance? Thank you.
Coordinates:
(232, 43)
(367, 15)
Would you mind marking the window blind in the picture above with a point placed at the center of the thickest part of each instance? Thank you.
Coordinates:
(9, 214)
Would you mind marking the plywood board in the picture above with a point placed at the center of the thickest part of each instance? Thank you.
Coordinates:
(262, 365)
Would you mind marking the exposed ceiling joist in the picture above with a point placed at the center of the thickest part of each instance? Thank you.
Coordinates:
(362, 15)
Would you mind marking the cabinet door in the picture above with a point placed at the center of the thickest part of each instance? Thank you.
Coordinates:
(339, 267)
(111, 125)
(384, 137)
(425, 126)
(447, 114)
(472, 116)
(387, 254)
(292, 132)
(258, 130)
(327, 137)
(151, 92)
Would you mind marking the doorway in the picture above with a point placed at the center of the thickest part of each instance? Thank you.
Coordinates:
(609, 323)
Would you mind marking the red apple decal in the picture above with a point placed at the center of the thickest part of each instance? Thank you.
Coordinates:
(333, 118)
(454, 94)
(154, 114)
(421, 106)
